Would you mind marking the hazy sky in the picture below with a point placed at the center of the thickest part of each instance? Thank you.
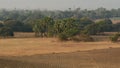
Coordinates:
(58, 4)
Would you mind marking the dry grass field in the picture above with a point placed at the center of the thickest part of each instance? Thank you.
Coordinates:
(31, 46)
(115, 21)
(103, 58)
(51, 53)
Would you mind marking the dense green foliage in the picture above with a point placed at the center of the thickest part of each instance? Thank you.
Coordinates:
(66, 29)
(14, 25)
(116, 27)
(69, 27)
(28, 15)
(48, 27)
(104, 25)
(1, 25)
(85, 21)
(63, 24)
(43, 27)
(6, 32)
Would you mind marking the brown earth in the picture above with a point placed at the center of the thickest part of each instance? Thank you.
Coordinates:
(51, 53)
(31, 46)
(103, 58)
(115, 21)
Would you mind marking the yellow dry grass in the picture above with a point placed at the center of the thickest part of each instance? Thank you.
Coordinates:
(32, 46)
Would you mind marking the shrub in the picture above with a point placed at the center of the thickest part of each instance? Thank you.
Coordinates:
(1, 25)
(6, 32)
(68, 33)
(115, 37)
(63, 37)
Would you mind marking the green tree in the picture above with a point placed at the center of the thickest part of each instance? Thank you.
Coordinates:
(99, 27)
(85, 21)
(116, 27)
(59, 26)
(39, 28)
(6, 32)
(1, 25)
(92, 29)
(14, 25)
(36, 29)
(115, 37)
(48, 24)
(67, 28)
(105, 25)
(44, 27)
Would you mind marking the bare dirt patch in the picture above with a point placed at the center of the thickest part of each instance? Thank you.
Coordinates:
(115, 21)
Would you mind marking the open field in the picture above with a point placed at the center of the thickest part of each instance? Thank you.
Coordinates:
(51, 53)
(103, 58)
(31, 46)
(115, 20)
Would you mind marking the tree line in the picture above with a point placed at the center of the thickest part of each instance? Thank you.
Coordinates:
(63, 24)
(66, 28)
(28, 15)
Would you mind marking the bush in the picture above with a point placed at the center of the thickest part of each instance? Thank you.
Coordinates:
(115, 37)
(1, 25)
(6, 32)
(68, 33)
(82, 37)
(62, 37)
